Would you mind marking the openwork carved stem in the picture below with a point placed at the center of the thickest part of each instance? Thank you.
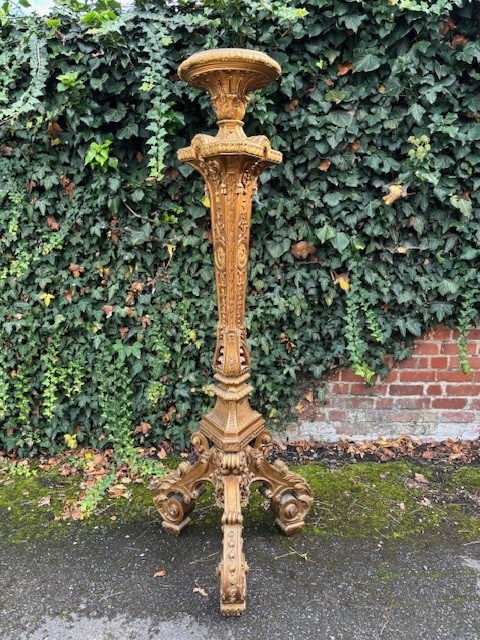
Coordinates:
(232, 438)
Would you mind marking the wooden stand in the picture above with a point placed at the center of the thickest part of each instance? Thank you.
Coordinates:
(232, 438)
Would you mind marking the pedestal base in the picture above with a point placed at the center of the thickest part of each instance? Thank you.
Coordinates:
(231, 474)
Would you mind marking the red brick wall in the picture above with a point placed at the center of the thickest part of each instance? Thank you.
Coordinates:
(427, 395)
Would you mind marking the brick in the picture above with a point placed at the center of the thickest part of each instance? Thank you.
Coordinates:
(449, 348)
(335, 376)
(459, 416)
(340, 388)
(474, 334)
(392, 376)
(434, 390)
(406, 389)
(356, 402)
(442, 333)
(384, 403)
(439, 362)
(337, 416)
(347, 375)
(417, 375)
(453, 376)
(474, 362)
(475, 404)
(454, 363)
(462, 389)
(427, 348)
(408, 402)
(449, 403)
(321, 416)
(360, 389)
(415, 362)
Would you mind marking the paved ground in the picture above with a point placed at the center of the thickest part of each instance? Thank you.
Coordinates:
(98, 584)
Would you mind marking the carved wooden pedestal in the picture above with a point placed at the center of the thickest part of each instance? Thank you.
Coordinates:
(232, 439)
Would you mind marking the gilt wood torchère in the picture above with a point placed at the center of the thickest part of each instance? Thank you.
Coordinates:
(232, 439)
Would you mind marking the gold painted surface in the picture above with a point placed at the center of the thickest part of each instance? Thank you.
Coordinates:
(232, 439)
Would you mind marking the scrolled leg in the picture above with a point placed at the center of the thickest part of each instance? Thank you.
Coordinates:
(174, 495)
(289, 494)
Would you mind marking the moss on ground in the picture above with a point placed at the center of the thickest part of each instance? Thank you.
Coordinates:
(32, 506)
(467, 477)
(372, 500)
(397, 500)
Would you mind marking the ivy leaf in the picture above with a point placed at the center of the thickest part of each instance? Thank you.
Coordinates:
(343, 281)
(441, 310)
(395, 191)
(340, 241)
(336, 95)
(464, 205)
(277, 249)
(302, 249)
(367, 62)
(46, 298)
(340, 118)
(447, 287)
(130, 130)
(139, 236)
(325, 233)
(417, 112)
(352, 22)
(414, 326)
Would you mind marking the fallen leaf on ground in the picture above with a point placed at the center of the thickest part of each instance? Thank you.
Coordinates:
(201, 591)
(309, 396)
(419, 477)
(44, 502)
(160, 573)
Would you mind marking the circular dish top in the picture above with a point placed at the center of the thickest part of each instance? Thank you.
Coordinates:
(260, 69)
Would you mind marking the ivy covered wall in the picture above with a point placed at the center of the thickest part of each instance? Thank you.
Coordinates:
(366, 236)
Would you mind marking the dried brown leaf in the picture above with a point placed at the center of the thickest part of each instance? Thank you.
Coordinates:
(291, 106)
(53, 223)
(76, 270)
(302, 249)
(344, 68)
(420, 478)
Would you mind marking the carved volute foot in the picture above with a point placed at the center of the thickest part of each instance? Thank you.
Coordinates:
(290, 496)
(174, 495)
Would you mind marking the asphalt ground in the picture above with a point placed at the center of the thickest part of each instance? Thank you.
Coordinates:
(97, 583)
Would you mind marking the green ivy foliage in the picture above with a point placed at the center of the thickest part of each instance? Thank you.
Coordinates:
(106, 276)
